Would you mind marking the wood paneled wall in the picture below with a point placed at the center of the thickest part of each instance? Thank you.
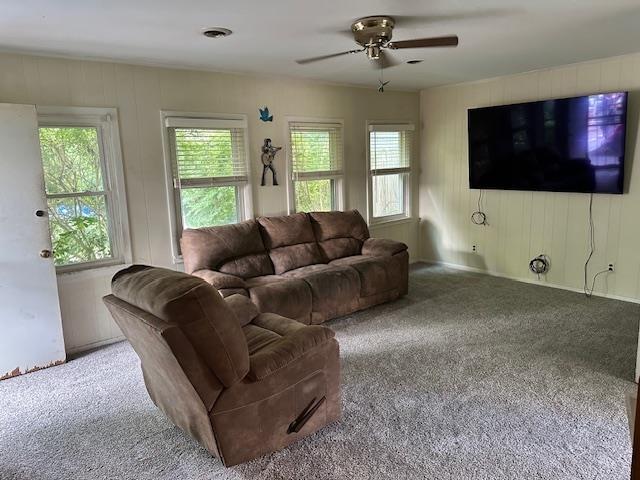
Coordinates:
(140, 93)
(525, 224)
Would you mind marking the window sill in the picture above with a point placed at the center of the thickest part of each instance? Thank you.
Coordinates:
(390, 223)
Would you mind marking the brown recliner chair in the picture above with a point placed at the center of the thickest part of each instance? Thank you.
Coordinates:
(241, 383)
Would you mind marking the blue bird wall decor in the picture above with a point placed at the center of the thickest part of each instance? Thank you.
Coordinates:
(264, 114)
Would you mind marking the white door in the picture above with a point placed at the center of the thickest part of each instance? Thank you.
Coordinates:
(30, 322)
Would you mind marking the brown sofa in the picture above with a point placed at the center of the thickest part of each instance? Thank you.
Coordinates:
(240, 382)
(309, 267)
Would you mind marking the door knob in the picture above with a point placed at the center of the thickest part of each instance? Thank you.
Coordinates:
(45, 253)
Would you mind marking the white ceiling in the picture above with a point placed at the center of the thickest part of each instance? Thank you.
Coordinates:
(496, 37)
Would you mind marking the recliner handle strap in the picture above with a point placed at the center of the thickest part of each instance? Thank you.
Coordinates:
(305, 416)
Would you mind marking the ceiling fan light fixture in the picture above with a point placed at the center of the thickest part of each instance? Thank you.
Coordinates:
(373, 52)
(216, 32)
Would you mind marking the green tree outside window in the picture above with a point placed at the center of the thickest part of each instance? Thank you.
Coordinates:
(76, 194)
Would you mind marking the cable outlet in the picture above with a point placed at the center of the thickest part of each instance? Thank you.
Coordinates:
(612, 267)
(474, 248)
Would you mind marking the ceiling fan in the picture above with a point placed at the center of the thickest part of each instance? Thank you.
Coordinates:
(373, 34)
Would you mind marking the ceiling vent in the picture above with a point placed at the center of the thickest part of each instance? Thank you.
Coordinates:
(216, 32)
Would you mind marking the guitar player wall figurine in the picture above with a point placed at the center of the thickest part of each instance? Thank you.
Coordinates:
(267, 157)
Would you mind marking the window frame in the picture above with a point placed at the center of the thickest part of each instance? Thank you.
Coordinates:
(338, 190)
(244, 198)
(105, 120)
(407, 173)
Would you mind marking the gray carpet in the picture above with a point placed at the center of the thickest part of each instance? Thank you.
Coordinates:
(467, 377)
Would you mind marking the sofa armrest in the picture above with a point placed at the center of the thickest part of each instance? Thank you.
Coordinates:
(220, 280)
(296, 340)
(243, 308)
(382, 247)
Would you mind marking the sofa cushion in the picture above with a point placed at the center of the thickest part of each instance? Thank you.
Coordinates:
(290, 298)
(294, 256)
(234, 249)
(334, 289)
(263, 280)
(377, 274)
(382, 247)
(286, 230)
(339, 234)
(339, 247)
(258, 337)
(290, 241)
(220, 280)
(243, 308)
(306, 270)
(196, 308)
(248, 266)
(275, 341)
(227, 292)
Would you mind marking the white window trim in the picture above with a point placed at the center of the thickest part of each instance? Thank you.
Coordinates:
(339, 178)
(106, 120)
(381, 126)
(169, 118)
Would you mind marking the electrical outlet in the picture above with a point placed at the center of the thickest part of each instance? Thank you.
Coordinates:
(474, 248)
(612, 267)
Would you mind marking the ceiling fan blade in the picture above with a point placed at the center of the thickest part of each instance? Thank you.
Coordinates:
(410, 21)
(386, 60)
(304, 61)
(449, 41)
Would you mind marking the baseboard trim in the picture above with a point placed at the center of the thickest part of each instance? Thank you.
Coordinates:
(91, 346)
(466, 268)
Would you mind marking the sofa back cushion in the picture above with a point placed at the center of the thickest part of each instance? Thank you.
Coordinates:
(339, 234)
(196, 308)
(234, 249)
(290, 241)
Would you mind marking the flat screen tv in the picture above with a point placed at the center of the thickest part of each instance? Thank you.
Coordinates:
(566, 145)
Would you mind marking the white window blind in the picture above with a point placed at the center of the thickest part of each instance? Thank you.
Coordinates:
(208, 156)
(390, 150)
(315, 149)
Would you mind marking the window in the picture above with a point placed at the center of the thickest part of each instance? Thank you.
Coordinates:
(390, 172)
(84, 186)
(207, 172)
(315, 163)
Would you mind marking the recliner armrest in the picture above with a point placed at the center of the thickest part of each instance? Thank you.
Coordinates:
(296, 340)
(382, 247)
(220, 280)
(243, 308)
